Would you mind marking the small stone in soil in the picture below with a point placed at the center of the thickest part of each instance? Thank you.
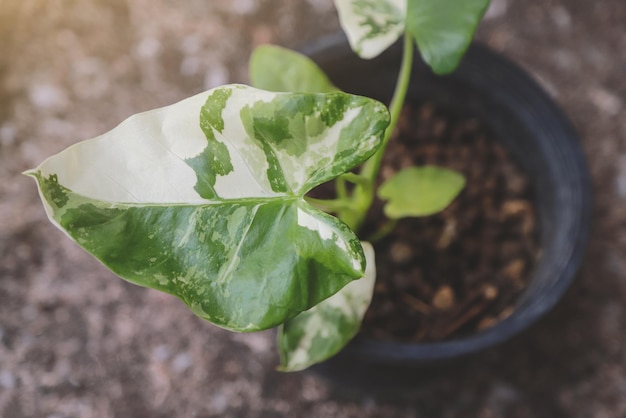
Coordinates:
(401, 252)
(515, 207)
(490, 292)
(486, 322)
(444, 298)
(447, 235)
(514, 269)
(506, 313)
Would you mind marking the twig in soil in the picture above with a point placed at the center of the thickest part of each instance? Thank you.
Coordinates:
(416, 304)
(466, 312)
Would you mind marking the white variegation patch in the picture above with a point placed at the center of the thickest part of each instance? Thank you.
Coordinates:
(312, 223)
(248, 177)
(372, 25)
(140, 161)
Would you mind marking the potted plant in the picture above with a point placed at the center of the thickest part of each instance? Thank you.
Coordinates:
(208, 199)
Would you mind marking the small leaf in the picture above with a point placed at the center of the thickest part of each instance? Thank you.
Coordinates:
(372, 25)
(420, 191)
(444, 29)
(319, 333)
(204, 199)
(279, 69)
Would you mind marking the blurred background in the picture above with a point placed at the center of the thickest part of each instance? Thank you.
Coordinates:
(77, 342)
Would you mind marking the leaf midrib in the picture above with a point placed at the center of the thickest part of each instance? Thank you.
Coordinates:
(216, 202)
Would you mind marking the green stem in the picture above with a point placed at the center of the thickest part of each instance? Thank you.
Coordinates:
(356, 179)
(347, 212)
(383, 231)
(364, 192)
(340, 188)
(372, 166)
(334, 205)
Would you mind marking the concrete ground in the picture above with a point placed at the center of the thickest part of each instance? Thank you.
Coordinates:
(77, 342)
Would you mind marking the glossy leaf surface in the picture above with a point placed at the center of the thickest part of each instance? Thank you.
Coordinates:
(319, 333)
(444, 29)
(204, 200)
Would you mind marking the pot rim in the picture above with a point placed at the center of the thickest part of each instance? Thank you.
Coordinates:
(536, 104)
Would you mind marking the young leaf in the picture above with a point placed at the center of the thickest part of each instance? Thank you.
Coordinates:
(420, 191)
(279, 69)
(204, 200)
(319, 333)
(444, 29)
(372, 25)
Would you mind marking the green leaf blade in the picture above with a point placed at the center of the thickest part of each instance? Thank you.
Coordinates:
(278, 69)
(420, 191)
(443, 29)
(208, 255)
(321, 332)
(238, 252)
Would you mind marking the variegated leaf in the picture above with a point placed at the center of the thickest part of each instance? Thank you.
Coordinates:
(204, 200)
(319, 333)
(372, 25)
(278, 69)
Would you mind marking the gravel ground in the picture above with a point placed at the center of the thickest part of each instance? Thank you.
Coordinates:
(77, 342)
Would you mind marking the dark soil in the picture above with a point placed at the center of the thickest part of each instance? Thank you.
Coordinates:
(463, 269)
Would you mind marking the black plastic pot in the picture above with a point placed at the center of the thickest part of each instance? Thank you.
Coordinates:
(536, 133)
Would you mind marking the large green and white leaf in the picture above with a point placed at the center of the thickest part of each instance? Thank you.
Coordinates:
(279, 69)
(420, 191)
(319, 333)
(204, 200)
(444, 29)
(371, 25)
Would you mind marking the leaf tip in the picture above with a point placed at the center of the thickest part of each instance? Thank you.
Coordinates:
(31, 173)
